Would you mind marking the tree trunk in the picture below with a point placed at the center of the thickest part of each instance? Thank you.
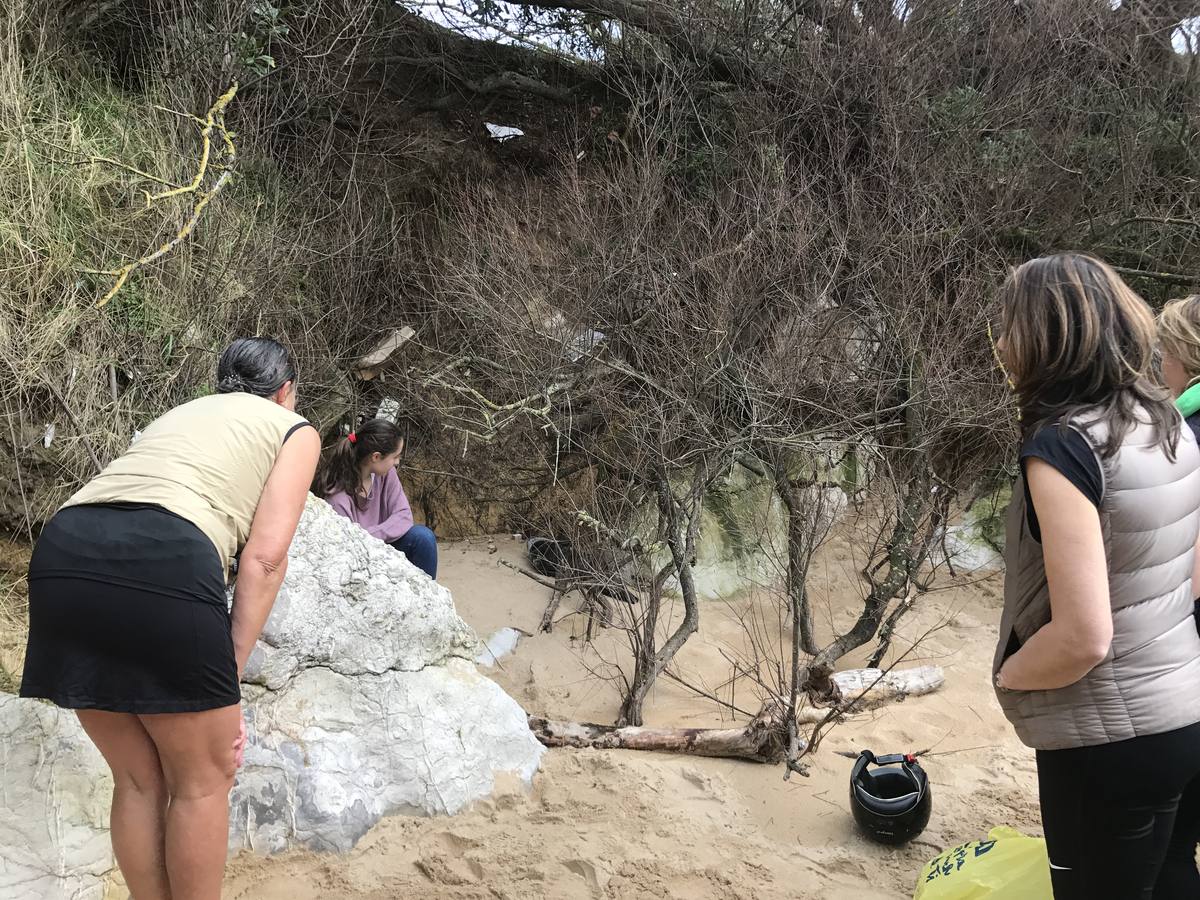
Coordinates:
(682, 543)
(801, 541)
(906, 546)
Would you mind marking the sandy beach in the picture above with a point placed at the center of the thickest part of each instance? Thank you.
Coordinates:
(624, 824)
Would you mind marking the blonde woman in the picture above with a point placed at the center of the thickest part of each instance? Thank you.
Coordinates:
(1179, 341)
(1098, 661)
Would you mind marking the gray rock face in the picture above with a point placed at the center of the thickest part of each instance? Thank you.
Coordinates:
(362, 701)
(354, 605)
(966, 550)
(54, 797)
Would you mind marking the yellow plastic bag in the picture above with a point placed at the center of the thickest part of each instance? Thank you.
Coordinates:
(1007, 866)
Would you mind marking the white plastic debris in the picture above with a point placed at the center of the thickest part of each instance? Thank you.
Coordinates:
(389, 408)
(48, 437)
(503, 133)
(498, 646)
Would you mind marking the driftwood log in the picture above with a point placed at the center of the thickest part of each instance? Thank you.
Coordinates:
(762, 739)
(864, 689)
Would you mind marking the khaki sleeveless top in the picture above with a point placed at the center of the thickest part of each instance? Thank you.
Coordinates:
(206, 461)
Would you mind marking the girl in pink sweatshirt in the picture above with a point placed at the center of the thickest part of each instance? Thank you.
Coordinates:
(359, 481)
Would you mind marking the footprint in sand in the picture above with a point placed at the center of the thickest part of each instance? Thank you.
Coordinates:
(454, 844)
(442, 860)
(587, 872)
(698, 778)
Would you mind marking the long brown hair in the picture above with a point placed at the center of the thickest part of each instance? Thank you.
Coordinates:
(341, 471)
(1077, 338)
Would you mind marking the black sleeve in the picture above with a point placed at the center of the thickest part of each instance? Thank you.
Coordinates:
(1068, 452)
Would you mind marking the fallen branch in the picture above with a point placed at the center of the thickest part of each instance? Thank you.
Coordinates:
(1167, 277)
(75, 423)
(763, 739)
(495, 416)
(864, 689)
(760, 741)
(547, 623)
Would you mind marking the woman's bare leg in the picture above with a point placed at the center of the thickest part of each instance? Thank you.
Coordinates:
(197, 753)
(139, 803)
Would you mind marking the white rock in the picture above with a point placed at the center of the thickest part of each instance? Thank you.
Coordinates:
(54, 801)
(331, 754)
(966, 550)
(389, 408)
(365, 701)
(352, 603)
(503, 642)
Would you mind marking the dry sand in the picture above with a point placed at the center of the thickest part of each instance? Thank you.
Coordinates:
(623, 824)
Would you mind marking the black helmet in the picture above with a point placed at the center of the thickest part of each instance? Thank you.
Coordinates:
(891, 804)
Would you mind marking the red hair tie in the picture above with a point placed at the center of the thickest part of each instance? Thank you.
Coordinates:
(352, 438)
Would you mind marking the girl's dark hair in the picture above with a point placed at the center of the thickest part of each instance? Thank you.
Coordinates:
(256, 365)
(1079, 339)
(340, 471)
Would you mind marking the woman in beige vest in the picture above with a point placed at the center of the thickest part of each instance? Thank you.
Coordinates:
(128, 624)
(1098, 660)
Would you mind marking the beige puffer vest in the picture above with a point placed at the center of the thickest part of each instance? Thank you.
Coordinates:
(1149, 682)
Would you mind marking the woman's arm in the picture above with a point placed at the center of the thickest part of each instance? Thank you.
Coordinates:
(264, 558)
(398, 515)
(1079, 633)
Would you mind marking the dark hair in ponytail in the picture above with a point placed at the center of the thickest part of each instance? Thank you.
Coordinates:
(340, 472)
(257, 365)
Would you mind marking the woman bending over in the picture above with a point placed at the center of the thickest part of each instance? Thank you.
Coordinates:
(128, 624)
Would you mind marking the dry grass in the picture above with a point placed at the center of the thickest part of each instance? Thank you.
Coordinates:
(78, 153)
(70, 205)
(14, 612)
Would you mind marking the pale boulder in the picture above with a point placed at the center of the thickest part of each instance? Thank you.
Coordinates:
(364, 700)
(54, 802)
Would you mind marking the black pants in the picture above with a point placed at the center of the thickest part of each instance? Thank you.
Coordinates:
(1122, 820)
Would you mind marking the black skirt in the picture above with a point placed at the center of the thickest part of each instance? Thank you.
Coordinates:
(127, 613)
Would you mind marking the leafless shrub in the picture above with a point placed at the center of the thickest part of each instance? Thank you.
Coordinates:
(736, 236)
